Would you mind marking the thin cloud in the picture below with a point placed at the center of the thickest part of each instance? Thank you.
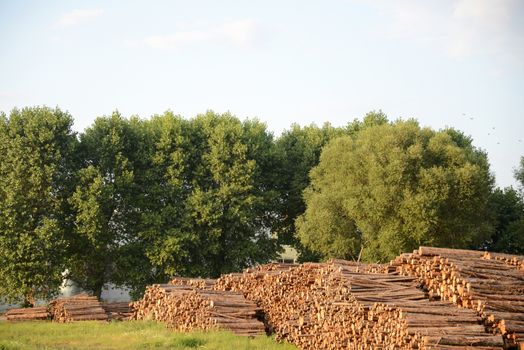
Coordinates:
(239, 33)
(78, 16)
(4, 94)
(461, 28)
(482, 27)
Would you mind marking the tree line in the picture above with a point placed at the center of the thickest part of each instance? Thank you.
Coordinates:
(134, 201)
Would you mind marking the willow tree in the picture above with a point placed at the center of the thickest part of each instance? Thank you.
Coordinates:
(297, 152)
(392, 187)
(36, 172)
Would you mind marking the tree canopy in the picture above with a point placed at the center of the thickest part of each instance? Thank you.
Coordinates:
(394, 186)
(107, 202)
(36, 173)
(216, 201)
(133, 201)
(508, 214)
(519, 173)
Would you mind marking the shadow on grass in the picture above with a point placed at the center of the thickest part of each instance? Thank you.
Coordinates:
(5, 347)
(190, 342)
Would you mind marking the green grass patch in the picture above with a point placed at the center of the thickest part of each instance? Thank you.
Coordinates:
(122, 335)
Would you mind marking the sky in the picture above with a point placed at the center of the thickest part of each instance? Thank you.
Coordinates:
(447, 63)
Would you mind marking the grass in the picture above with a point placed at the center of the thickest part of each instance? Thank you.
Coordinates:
(122, 335)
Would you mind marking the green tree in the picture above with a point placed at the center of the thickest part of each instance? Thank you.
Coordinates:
(107, 203)
(507, 206)
(226, 196)
(297, 152)
(519, 173)
(396, 186)
(508, 209)
(36, 168)
(212, 194)
(168, 244)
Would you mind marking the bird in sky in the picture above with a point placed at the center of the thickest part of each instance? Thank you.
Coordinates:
(471, 118)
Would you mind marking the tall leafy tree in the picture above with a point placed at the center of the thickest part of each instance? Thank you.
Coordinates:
(36, 168)
(107, 202)
(508, 210)
(226, 197)
(395, 186)
(516, 229)
(519, 173)
(298, 152)
(212, 193)
(168, 243)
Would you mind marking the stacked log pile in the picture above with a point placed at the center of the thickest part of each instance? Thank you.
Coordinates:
(306, 305)
(509, 259)
(438, 324)
(341, 304)
(184, 307)
(119, 311)
(201, 283)
(226, 310)
(364, 267)
(493, 288)
(27, 314)
(80, 307)
(158, 302)
(336, 306)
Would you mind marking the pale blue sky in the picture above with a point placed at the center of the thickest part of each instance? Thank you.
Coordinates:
(281, 61)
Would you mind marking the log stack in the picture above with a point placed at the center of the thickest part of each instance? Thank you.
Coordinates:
(305, 305)
(200, 283)
(410, 303)
(80, 307)
(159, 301)
(493, 287)
(27, 314)
(337, 306)
(425, 320)
(509, 259)
(118, 311)
(183, 307)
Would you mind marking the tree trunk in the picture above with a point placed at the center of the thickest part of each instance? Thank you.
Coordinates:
(97, 290)
(29, 299)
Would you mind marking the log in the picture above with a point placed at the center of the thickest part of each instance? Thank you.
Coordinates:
(27, 314)
(491, 284)
(185, 306)
(80, 307)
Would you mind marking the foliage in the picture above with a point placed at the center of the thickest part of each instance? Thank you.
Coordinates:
(519, 173)
(215, 199)
(36, 168)
(298, 151)
(508, 210)
(106, 203)
(122, 335)
(392, 187)
(134, 202)
(507, 206)
(169, 197)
